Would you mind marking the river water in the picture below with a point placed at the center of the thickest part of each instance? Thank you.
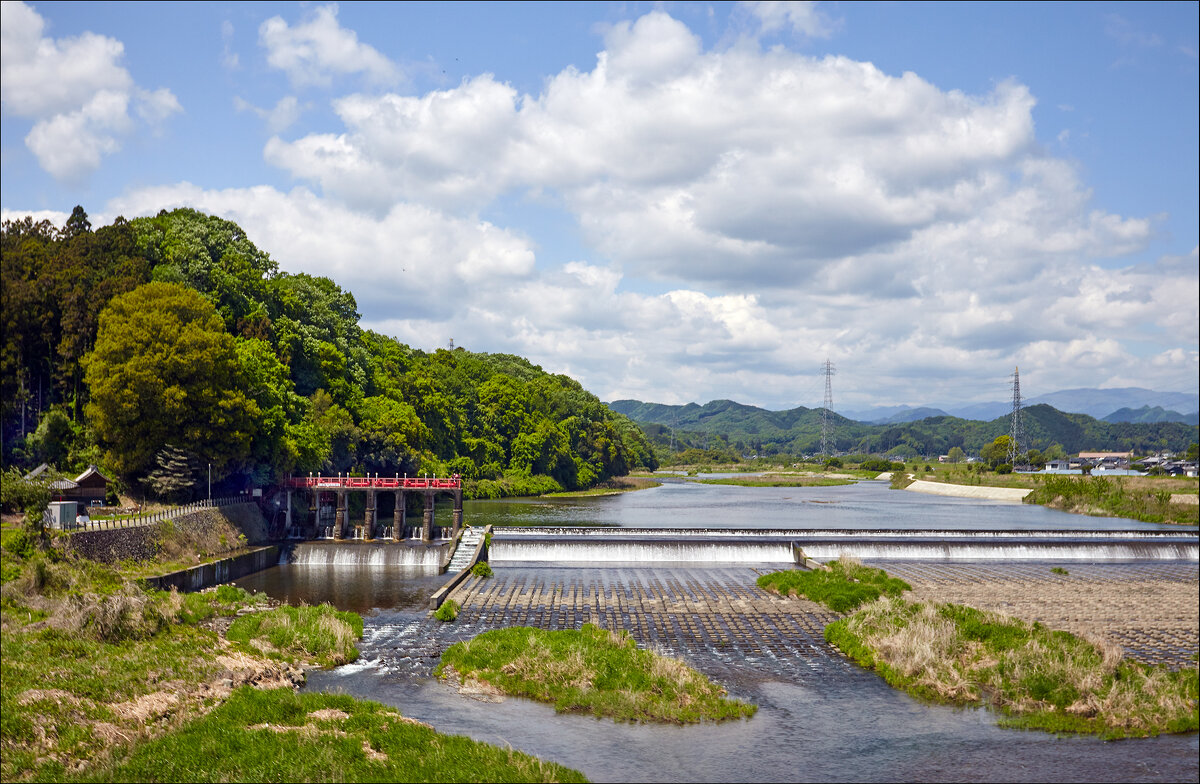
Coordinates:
(820, 718)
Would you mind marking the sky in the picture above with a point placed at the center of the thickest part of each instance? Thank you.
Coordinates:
(673, 202)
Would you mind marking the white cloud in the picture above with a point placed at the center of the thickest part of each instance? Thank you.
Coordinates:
(229, 58)
(723, 166)
(76, 92)
(747, 214)
(283, 115)
(801, 18)
(312, 51)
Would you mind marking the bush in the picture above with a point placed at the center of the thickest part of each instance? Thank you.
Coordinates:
(1004, 468)
(481, 569)
(447, 612)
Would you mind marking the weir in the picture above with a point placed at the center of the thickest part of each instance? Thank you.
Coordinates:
(369, 554)
(579, 546)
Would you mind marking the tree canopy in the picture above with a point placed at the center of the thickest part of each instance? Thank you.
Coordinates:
(173, 339)
(165, 371)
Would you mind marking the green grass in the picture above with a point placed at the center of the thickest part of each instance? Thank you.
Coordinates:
(1114, 497)
(1038, 677)
(102, 679)
(281, 736)
(322, 633)
(591, 671)
(844, 587)
(779, 481)
(614, 486)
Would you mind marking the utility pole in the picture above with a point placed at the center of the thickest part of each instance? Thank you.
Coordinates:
(826, 426)
(210, 484)
(1016, 433)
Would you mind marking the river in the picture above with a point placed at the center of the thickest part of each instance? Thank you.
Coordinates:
(820, 717)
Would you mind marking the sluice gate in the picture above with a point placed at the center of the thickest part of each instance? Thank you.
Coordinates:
(332, 520)
(579, 546)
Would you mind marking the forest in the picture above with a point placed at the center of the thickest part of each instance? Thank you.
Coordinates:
(157, 347)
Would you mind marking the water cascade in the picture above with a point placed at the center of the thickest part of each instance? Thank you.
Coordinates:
(647, 545)
(372, 554)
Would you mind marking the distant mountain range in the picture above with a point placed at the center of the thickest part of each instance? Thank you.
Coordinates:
(731, 427)
(1126, 404)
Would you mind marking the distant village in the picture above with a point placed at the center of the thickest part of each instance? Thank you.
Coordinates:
(1111, 464)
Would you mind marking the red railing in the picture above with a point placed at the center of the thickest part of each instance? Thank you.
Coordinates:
(375, 482)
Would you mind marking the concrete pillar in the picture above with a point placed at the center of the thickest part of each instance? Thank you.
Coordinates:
(458, 514)
(398, 517)
(287, 518)
(427, 531)
(339, 517)
(369, 518)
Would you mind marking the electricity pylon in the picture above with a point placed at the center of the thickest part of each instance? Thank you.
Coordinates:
(1016, 433)
(828, 408)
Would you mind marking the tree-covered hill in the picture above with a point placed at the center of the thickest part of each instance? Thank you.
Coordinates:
(174, 341)
(741, 429)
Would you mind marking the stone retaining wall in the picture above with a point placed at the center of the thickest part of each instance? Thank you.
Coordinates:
(143, 543)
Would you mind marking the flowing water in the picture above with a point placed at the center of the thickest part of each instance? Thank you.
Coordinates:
(820, 718)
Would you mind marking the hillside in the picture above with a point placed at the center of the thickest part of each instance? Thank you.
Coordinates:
(1152, 414)
(159, 346)
(746, 429)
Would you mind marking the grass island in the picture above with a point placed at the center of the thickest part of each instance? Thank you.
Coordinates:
(590, 670)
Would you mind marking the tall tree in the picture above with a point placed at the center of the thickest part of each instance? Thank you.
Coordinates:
(164, 370)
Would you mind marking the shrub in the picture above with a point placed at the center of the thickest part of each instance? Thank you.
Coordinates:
(482, 569)
(447, 612)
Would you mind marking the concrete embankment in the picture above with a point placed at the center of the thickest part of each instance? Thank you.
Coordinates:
(1013, 494)
(197, 578)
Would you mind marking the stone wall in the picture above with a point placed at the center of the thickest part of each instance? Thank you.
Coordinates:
(207, 532)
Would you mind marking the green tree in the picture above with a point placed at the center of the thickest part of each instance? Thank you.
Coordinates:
(956, 454)
(996, 453)
(165, 371)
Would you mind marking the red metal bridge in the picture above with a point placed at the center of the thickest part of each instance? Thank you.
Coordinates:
(319, 523)
(376, 482)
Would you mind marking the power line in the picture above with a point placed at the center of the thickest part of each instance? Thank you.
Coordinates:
(828, 406)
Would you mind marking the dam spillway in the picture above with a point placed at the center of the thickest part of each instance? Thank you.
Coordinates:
(580, 546)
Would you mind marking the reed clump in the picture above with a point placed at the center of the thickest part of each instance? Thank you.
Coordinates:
(591, 670)
(1039, 677)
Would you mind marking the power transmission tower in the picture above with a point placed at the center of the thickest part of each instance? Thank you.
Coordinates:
(825, 423)
(1016, 432)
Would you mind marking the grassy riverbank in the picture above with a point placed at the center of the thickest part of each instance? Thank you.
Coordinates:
(778, 480)
(1145, 498)
(614, 486)
(589, 671)
(103, 680)
(1039, 678)
(281, 736)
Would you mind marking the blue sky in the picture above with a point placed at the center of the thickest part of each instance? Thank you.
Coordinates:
(671, 202)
